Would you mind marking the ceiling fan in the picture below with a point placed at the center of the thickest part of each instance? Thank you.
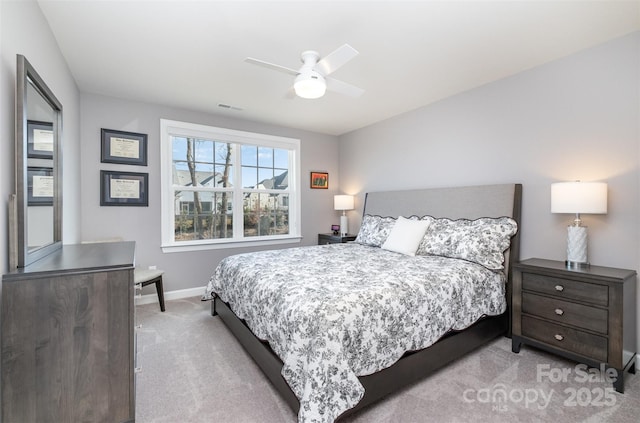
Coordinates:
(312, 78)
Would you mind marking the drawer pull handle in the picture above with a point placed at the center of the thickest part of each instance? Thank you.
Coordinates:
(558, 337)
(559, 311)
(559, 288)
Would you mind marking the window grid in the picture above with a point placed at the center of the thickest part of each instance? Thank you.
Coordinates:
(207, 205)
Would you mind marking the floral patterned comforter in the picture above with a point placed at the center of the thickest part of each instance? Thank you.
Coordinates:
(338, 311)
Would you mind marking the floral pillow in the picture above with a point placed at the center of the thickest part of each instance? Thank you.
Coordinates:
(374, 230)
(482, 241)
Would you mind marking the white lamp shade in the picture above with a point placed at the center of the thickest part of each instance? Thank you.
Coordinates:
(343, 202)
(579, 197)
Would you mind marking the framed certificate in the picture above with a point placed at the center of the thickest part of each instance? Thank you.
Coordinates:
(123, 147)
(124, 188)
(39, 186)
(39, 140)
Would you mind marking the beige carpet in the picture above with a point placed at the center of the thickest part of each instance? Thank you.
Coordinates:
(193, 370)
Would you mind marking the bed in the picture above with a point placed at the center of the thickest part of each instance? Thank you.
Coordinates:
(346, 324)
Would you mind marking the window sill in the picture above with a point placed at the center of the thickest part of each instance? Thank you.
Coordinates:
(207, 245)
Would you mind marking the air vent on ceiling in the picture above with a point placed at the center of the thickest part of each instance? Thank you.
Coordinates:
(227, 106)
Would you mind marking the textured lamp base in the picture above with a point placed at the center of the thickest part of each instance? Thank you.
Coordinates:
(344, 225)
(576, 247)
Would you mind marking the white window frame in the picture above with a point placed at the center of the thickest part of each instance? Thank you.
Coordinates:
(169, 128)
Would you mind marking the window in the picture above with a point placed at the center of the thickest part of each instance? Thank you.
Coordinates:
(222, 187)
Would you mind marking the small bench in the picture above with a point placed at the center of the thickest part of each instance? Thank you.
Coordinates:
(146, 277)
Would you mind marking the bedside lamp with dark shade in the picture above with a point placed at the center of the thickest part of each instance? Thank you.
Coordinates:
(576, 198)
(343, 202)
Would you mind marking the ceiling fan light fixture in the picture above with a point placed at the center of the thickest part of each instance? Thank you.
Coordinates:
(312, 79)
(310, 85)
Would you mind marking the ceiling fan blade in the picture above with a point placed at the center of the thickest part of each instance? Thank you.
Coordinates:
(343, 88)
(271, 66)
(335, 60)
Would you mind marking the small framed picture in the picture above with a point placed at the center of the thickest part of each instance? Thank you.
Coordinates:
(123, 147)
(319, 180)
(124, 188)
(39, 140)
(40, 186)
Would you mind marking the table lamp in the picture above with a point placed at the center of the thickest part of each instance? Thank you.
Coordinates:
(343, 202)
(575, 198)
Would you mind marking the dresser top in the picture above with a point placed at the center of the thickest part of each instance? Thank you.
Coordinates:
(80, 257)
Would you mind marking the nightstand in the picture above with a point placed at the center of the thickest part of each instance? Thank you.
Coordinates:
(334, 239)
(587, 315)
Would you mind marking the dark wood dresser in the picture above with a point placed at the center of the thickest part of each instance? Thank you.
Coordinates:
(68, 352)
(587, 314)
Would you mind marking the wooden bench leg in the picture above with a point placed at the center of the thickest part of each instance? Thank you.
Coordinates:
(160, 291)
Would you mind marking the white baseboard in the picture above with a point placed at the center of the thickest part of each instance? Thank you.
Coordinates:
(171, 295)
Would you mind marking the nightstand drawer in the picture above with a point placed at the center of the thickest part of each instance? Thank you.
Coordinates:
(324, 239)
(582, 316)
(576, 341)
(566, 288)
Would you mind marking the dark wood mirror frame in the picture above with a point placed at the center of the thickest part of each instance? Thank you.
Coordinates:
(21, 254)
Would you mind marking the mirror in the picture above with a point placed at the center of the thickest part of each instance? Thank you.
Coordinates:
(38, 208)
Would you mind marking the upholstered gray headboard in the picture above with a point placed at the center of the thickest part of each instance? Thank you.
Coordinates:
(470, 202)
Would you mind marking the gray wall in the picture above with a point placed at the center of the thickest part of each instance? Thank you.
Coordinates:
(25, 31)
(142, 224)
(574, 118)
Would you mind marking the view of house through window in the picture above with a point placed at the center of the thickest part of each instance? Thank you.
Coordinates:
(202, 176)
(265, 180)
(223, 189)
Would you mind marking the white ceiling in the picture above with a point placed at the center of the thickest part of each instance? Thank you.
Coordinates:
(190, 54)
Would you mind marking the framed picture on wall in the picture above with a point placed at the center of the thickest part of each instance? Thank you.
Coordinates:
(124, 188)
(39, 140)
(123, 147)
(319, 180)
(39, 186)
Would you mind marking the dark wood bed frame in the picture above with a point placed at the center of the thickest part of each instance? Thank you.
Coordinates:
(455, 203)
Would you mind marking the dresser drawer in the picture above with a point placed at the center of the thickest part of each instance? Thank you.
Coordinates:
(562, 337)
(566, 288)
(582, 316)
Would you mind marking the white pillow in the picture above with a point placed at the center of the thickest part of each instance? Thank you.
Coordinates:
(406, 235)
